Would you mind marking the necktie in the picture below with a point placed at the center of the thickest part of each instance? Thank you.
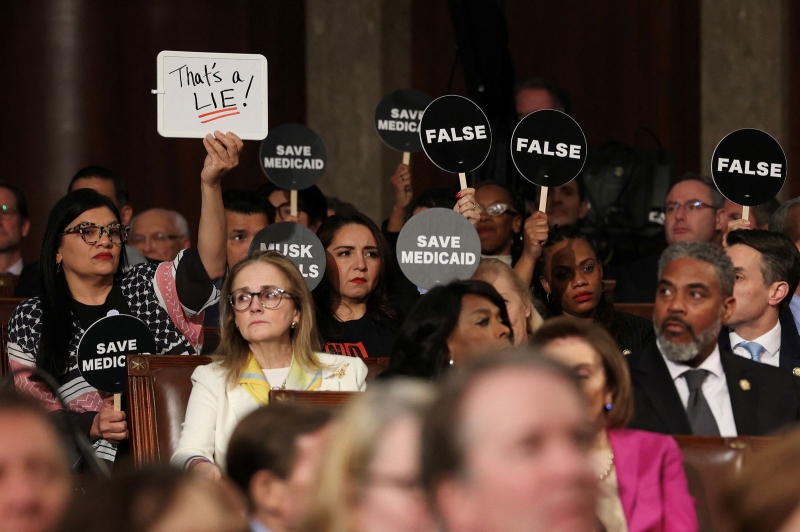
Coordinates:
(754, 348)
(700, 417)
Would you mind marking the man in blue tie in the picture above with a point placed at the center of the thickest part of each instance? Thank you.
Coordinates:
(767, 266)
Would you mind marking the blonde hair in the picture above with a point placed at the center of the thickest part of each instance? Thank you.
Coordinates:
(233, 351)
(343, 475)
(490, 269)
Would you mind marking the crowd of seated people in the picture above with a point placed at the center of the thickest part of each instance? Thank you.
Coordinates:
(520, 399)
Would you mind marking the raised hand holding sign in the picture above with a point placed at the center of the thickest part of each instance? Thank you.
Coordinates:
(548, 148)
(455, 135)
(294, 158)
(749, 168)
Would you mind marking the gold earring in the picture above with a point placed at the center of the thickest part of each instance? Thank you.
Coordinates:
(294, 324)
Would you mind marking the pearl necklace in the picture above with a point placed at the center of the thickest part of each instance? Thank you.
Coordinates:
(609, 466)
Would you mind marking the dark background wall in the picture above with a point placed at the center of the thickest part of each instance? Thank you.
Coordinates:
(76, 91)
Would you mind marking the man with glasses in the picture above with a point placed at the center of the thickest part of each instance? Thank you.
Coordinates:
(690, 215)
(14, 226)
(159, 234)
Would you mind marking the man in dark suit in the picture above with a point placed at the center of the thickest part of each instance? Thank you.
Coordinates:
(683, 382)
(767, 266)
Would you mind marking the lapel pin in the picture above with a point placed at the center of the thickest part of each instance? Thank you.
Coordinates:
(626, 352)
(796, 372)
(744, 384)
(340, 373)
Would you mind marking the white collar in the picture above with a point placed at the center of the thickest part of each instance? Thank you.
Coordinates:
(713, 364)
(16, 269)
(770, 340)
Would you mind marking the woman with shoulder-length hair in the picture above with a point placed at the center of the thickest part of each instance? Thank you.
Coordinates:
(353, 314)
(369, 478)
(518, 298)
(81, 273)
(268, 340)
(642, 483)
(449, 325)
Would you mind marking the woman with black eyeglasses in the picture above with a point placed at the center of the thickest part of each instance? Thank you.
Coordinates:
(82, 279)
(268, 340)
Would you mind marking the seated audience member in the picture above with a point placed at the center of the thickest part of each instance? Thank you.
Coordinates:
(246, 214)
(683, 383)
(14, 227)
(274, 456)
(157, 499)
(642, 485)
(35, 481)
(268, 339)
(449, 325)
(337, 206)
(83, 281)
(505, 447)
(767, 266)
(566, 204)
(759, 216)
(519, 302)
(572, 280)
(502, 225)
(312, 209)
(369, 479)
(353, 316)
(538, 93)
(765, 495)
(690, 215)
(786, 220)
(159, 234)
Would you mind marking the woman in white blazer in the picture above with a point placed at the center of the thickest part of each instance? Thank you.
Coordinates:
(268, 339)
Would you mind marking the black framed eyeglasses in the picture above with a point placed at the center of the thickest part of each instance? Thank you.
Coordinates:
(496, 209)
(269, 297)
(92, 233)
(158, 239)
(690, 206)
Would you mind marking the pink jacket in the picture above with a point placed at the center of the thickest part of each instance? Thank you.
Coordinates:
(652, 483)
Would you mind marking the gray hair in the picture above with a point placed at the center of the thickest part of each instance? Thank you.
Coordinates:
(780, 220)
(717, 200)
(181, 225)
(710, 253)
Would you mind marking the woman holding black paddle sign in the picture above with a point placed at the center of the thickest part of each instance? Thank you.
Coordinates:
(82, 279)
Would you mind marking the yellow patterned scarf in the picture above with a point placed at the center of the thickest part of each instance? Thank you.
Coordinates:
(256, 384)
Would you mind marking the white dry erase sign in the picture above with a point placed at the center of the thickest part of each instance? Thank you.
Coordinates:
(199, 93)
(749, 167)
(438, 246)
(298, 244)
(104, 348)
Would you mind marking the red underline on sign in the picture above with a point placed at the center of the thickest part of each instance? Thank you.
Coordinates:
(218, 117)
(219, 111)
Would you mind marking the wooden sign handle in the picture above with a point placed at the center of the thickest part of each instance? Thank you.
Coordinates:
(462, 178)
(543, 199)
(293, 202)
(117, 402)
(406, 158)
(745, 212)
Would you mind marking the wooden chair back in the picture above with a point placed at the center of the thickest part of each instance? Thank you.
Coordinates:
(158, 393)
(643, 310)
(313, 398)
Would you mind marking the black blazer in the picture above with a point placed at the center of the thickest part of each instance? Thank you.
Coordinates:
(770, 403)
(790, 344)
(631, 332)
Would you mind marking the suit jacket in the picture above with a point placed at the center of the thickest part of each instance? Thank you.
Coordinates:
(790, 344)
(652, 482)
(215, 409)
(769, 403)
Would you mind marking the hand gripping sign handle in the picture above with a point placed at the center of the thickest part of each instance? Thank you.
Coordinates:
(293, 202)
(745, 212)
(543, 199)
(462, 178)
(406, 158)
(117, 402)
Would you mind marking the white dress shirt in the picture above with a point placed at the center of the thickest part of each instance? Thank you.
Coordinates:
(715, 389)
(16, 269)
(771, 341)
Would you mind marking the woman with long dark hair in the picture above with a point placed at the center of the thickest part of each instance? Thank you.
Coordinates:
(82, 279)
(353, 314)
(448, 325)
(571, 278)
